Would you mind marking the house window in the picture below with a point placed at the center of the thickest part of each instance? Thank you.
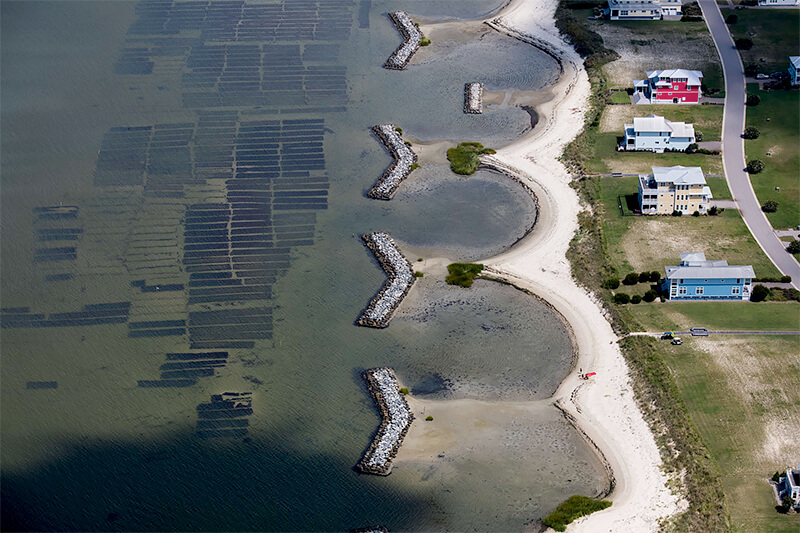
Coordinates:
(681, 281)
(736, 290)
(698, 290)
(624, 13)
(682, 290)
(738, 280)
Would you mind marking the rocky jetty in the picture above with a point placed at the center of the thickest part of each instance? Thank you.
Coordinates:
(404, 159)
(401, 278)
(411, 39)
(473, 98)
(396, 419)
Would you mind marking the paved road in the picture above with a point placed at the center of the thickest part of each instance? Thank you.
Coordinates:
(733, 146)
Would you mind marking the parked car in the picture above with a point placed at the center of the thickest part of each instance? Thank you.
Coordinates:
(762, 76)
(667, 335)
(677, 341)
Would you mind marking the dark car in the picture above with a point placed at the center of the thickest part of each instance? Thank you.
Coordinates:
(677, 341)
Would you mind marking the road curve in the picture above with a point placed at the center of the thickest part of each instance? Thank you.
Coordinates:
(733, 159)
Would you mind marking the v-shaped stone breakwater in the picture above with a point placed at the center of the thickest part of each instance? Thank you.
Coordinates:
(473, 98)
(401, 278)
(411, 41)
(396, 419)
(404, 160)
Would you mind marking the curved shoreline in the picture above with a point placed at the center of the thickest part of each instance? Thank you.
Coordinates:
(604, 410)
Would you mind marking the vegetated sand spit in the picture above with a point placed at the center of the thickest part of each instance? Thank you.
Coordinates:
(604, 409)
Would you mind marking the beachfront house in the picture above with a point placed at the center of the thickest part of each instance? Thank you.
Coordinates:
(778, 3)
(674, 86)
(670, 189)
(789, 485)
(697, 279)
(656, 134)
(642, 9)
(794, 67)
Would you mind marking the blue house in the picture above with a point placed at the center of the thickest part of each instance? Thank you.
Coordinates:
(697, 279)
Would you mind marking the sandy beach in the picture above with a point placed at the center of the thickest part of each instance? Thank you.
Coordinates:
(604, 409)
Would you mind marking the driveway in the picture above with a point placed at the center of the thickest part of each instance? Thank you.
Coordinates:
(733, 158)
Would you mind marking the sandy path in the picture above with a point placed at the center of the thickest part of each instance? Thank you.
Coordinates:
(604, 408)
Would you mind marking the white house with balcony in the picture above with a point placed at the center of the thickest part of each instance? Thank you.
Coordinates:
(657, 134)
(670, 189)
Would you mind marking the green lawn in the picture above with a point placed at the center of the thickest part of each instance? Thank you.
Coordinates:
(620, 97)
(740, 392)
(776, 36)
(781, 137)
(672, 316)
(706, 118)
(607, 160)
(635, 243)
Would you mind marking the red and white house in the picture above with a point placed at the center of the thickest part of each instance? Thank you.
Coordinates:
(676, 86)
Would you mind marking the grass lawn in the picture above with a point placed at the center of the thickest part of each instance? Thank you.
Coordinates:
(607, 160)
(706, 118)
(679, 316)
(781, 137)
(776, 34)
(742, 396)
(635, 243)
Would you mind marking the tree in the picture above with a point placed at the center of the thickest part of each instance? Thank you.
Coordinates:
(636, 299)
(655, 277)
(751, 70)
(753, 100)
(794, 247)
(698, 136)
(776, 477)
(649, 296)
(732, 19)
(755, 166)
(621, 298)
(787, 502)
(759, 293)
(677, 213)
(631, 279)
(644, 277)
(751, 132)
(611, 283)
(744, 43)
(770, 206)
(713, 210)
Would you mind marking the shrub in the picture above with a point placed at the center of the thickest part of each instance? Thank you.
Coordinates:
(776, 477)
(408, 143)
(713, 211)
(793, 248)
(655, 277)
(419, 259)
(677, 213)
(404, 390)
(418, 274)
(650, 296)
(759, 293)
(751, 70)
(398, 129)
(424, 41)
(464, 159)
(692, 148)
(644, 277)
(744, 43)
(786, 279)
(732, 19)
(636, 299)
(621, 298)
(755, 166)
(751, 132)
(770, 206)
(696, 214)
(575, 507)
(414, 166)
(698, 136)
(753, 100)
(429, 418)
(631, 279)
(611, 283)
(462, 274)
(691, 18)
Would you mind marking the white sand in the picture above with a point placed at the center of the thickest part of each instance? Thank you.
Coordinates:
(604, 408)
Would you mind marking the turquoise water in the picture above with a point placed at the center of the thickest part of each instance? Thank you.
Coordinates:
(99, 452)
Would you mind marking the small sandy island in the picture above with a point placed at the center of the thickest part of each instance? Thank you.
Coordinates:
(604, 409)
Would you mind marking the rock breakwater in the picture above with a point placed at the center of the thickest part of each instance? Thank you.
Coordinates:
(404, 160)
(473, 98)
(411, 41)
(396, 419)
(401, 278)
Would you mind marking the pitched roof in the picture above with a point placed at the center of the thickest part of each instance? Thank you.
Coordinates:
(692, 75)
(654, 123)
(692, 256)
(679, 175)
(710, 272)
(795, 60)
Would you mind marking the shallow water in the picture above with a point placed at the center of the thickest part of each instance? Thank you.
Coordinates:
(128, 456)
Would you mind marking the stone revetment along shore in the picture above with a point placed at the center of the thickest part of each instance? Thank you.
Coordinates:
(404, 159)
(473, 98)
(411, 39)
(401, 278)
(396, 418)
